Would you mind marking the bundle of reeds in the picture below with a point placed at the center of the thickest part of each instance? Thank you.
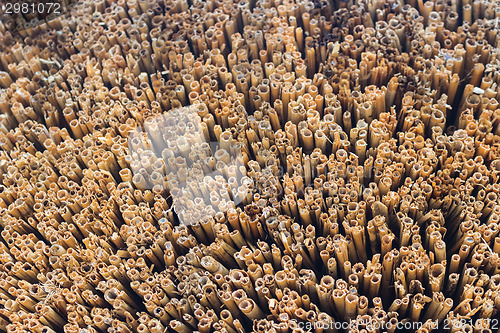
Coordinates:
(251, 165)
